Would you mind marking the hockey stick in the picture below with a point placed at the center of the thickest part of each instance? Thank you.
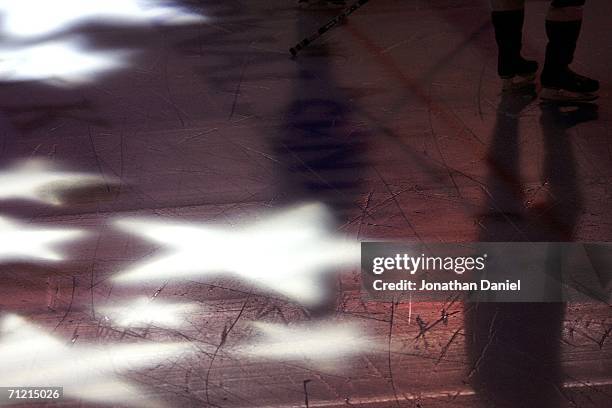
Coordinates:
(328, 26)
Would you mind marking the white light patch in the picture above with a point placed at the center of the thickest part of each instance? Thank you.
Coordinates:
(39, 46)
(59, 63)
(288, 252)
(322, 344)
(32, 358)
(23, 242)
(40, 180)
(36, 18)
(145, 311)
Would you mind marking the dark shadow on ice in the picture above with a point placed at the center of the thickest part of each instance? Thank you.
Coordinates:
(514, 348)
(321, 152)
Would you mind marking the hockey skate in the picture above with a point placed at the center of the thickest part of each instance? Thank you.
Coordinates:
(569, 87)
(559, 82)
(517, 74)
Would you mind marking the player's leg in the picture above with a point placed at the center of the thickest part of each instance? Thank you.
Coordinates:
(508, 17)
(559, 82)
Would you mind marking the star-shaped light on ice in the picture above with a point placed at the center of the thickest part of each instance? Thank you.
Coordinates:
(60, 63)
(145, 311)
(324, 345)
(32, 358)
(40, 180)
(23, 242)
(36, 18)
(288, 252)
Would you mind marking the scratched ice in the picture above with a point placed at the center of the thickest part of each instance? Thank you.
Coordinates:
(288, 252)
(32, 358)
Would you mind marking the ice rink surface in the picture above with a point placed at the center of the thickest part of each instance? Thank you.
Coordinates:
(183, 142)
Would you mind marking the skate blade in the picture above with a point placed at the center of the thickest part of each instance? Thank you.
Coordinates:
(562, 95)
(517, 82)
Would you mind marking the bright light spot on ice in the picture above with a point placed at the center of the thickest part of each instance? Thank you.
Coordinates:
(322, 344)
(145, 311)
(32, 358)
(32, 18)
(23, 242)
(288, 252)
(38, 45)
(40, 180)
(60, 63)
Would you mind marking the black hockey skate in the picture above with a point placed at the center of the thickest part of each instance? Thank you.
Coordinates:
(516, 73)
(568, 86)
(559, 82)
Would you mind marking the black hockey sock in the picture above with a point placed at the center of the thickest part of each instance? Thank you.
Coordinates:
(562, 39)
(508, 26)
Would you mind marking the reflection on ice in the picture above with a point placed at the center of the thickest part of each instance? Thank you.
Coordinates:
(32, 358)
(322, 344)
(288, 252)
(145, 311)
(60, 63)
(40, 180)
(21, 242)
(32, 18)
